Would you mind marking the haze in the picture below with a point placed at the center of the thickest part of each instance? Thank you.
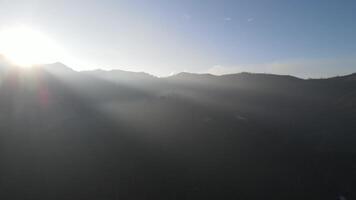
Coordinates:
(177, 100)
(301, 38)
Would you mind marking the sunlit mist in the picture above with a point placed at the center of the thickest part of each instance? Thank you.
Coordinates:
(25, 46)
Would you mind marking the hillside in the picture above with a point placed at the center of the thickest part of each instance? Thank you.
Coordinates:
(126, 135)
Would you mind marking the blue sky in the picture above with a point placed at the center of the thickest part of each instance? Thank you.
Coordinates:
(305, 38)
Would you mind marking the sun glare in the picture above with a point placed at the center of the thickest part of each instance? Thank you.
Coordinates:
(25, 47)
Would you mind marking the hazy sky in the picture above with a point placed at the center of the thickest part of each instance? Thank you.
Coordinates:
(300, 37)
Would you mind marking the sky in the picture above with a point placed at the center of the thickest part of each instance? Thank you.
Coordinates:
(304, 38)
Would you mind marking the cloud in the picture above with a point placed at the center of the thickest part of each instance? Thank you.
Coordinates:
(187, 16)
(304, 68)
(250, 19)
(227, 19)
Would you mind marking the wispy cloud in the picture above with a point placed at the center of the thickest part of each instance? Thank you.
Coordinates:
(227, 19)
(250, 19)
(186, 16)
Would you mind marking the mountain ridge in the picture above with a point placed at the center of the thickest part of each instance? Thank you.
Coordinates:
(181, 75)
(104, 135)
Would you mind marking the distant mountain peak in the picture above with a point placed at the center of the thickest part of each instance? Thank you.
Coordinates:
(183, 75)
(256, 77)
(117, 71)
(262, 75)
(118, 75)
(350, 77)
(57, 66)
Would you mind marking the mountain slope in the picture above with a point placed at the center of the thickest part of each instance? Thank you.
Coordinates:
(125, 135)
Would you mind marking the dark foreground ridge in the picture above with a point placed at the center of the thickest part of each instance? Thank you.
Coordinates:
(123, 135)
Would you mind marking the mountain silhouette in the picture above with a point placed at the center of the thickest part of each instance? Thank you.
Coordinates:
(115, 134)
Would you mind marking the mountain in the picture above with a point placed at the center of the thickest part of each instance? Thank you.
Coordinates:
(120, 75)
(126, 135)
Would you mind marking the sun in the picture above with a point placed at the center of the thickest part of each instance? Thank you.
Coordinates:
(25, 47)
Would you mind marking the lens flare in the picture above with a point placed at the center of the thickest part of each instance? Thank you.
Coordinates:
(25, 47)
